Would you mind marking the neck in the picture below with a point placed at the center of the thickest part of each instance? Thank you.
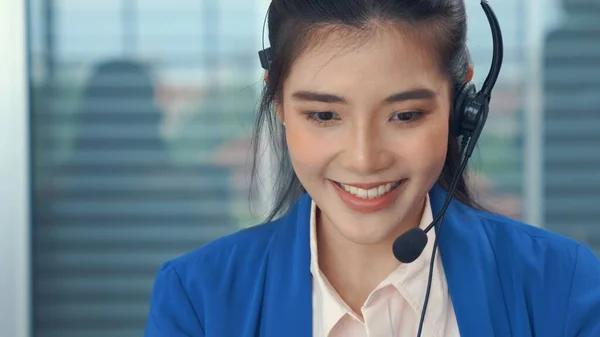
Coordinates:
(355, 270)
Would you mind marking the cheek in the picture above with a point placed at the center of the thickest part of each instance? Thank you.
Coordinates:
(427, 154)
(299, 145)
(305, 147)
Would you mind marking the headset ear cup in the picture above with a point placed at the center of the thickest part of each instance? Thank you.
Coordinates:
(462, 96)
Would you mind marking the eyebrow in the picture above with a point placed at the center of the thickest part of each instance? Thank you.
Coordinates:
(414, 94)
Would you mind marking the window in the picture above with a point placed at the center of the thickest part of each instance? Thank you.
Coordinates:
(139, 116)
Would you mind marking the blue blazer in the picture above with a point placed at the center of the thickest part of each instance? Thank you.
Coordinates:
(505, 279)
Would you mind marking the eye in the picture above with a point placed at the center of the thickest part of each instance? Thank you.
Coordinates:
(405, 117)
(322, 117)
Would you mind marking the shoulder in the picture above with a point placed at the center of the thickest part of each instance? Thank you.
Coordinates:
(528, 242)
(553, 270)
(530, 245)
(186, 284)
(233, 253)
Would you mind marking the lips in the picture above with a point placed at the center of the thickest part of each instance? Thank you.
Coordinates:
(371, 197)
(369, 191)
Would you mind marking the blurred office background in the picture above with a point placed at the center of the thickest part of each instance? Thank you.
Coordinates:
(138, 114)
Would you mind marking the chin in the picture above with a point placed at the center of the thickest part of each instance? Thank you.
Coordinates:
(367, 228)
(367, 234)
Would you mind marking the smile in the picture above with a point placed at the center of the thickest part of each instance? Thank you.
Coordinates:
(368, 198)
(370, 193)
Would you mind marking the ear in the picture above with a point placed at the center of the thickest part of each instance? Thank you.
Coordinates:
(266, 76)
(470, 73)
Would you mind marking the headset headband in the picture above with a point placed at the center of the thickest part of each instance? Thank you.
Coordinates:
(498, 53)
(266, 55)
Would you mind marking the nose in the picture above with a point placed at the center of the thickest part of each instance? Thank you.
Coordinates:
(366, 151)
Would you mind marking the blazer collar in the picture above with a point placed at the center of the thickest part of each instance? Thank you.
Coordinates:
(470, 269)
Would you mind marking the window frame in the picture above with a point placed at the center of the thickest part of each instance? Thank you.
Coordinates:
(15, 233)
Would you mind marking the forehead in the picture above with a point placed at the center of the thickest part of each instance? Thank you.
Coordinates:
(384, 59)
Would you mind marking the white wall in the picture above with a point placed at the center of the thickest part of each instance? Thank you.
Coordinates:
(14, 213)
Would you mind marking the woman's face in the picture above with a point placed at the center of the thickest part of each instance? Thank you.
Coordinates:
(367, 130)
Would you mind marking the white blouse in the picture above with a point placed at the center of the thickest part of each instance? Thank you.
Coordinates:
(393, 309)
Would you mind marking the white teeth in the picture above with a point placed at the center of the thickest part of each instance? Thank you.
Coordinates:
(372, 193)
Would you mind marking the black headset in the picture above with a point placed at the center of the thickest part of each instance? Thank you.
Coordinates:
(468, 116)
(470, 108)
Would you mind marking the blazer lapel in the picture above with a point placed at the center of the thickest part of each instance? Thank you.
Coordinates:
(287, 310)
(470, 269)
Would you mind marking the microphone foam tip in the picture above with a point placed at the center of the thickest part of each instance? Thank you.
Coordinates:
(409, 246)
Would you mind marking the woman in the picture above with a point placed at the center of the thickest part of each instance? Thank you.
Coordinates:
(358, 102)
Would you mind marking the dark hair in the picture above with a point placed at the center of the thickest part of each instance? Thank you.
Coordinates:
(293, 24)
